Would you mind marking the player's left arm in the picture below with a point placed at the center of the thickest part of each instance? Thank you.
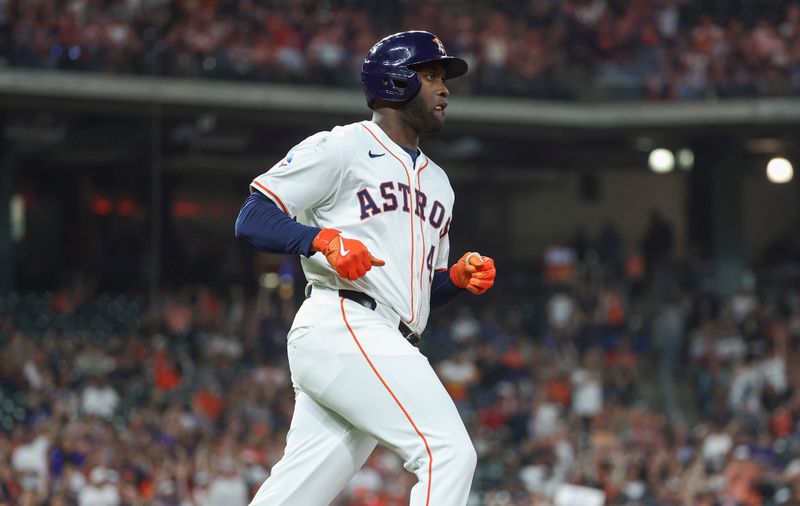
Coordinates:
(448, 283)
(473, 272)
(442, 289)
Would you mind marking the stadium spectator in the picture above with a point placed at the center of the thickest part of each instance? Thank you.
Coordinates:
(228, 487)
(99, 398)
(594, 49)
(100, 489)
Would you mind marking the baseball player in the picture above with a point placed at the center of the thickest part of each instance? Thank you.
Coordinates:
(371, 219)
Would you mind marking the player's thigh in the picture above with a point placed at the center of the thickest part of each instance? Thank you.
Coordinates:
(318, 433)
(409, 410)
(323, 452)
(395, 397)
(327, 334)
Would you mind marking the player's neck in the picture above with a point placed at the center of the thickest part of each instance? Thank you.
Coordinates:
(399, 131)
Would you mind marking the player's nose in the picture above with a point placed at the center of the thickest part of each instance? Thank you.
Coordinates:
(444, 92)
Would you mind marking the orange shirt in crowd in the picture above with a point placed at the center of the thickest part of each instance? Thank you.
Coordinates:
(166, 375)
(741, 474)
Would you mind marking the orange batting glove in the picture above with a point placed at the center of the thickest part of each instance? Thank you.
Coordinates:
(348, 257)
(473, 272)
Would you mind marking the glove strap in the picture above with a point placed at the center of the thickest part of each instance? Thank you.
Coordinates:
(454, 277)
(324, 238)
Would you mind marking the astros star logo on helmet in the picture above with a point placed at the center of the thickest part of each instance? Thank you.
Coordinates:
(439, 43)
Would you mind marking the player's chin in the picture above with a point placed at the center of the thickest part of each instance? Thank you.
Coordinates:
(436, 122)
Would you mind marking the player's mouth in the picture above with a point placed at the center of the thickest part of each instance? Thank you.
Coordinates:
(440, 107)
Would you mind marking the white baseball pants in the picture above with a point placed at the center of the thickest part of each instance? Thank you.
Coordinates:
(358, 383)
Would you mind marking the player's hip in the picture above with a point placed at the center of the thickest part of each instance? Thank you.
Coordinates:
(331, 323)
(398, 296)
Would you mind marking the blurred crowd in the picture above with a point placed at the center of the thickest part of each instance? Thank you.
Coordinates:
(613, 376)
(558, 49)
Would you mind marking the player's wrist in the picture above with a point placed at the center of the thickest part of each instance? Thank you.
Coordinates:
(457, 276)
(323, 239)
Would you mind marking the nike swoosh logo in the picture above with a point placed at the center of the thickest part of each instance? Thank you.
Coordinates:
(372, 155)
(343, 252)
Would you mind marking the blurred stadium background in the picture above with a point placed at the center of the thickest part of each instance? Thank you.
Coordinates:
(610, 154)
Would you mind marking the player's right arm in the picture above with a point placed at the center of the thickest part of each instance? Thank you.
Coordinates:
(305, 179)
(268, 228)
(265, 226)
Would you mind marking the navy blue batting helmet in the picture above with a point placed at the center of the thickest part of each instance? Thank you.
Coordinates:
(388, 69)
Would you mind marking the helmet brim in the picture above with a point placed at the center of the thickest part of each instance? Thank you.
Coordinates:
(453, 66)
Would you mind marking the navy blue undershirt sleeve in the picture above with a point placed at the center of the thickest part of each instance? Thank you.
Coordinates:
(443, 290)
(265, 226)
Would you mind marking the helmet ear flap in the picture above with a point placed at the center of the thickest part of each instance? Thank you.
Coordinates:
(407, 87)
(391, 84)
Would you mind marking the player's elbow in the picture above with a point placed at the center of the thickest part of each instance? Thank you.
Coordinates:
(242, 233)
(242, 228)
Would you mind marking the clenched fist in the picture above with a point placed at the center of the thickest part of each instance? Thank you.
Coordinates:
(348, 257)
(473, 272)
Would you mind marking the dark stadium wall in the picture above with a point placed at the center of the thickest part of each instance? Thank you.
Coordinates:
(770, 211)
(545, 216)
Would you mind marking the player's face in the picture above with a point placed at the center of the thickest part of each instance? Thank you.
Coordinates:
(425, 112)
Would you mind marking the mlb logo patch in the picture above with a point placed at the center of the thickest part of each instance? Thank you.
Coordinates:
(287, 160)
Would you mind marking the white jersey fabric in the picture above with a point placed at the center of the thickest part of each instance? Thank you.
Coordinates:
(356, 179)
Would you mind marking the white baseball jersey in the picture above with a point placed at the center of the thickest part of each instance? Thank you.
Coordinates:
(357, 180)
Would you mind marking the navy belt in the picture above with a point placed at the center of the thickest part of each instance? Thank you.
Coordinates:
(370, 303)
